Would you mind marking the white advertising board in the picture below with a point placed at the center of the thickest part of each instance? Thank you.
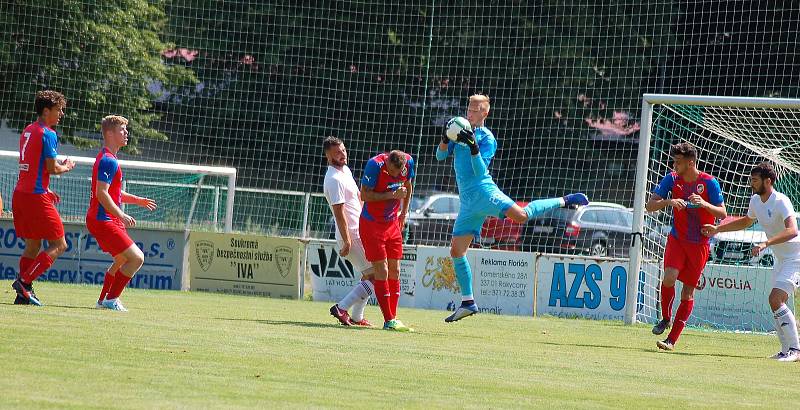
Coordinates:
(733, 297)
(84, 261)
(503, 282)
(333, 276)
(581, 287)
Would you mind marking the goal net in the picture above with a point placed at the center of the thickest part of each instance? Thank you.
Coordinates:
(732, 135)
(188, 196)
(273, 78)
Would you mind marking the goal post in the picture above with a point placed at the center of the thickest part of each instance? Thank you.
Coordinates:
(732, 135)
(188, 195)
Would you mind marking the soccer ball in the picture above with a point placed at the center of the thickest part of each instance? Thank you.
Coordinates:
(455, 125)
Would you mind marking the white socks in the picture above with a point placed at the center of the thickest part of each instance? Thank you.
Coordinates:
(779, 331)
(357, 298)
(786, 328)
(365, 289)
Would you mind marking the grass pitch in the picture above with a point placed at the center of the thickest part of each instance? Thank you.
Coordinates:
(201, 350)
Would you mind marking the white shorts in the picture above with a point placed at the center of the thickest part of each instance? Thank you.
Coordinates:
(786, 275)
(356, 257)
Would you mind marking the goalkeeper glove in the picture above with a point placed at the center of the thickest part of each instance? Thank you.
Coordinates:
(467, 137)
(444, 140)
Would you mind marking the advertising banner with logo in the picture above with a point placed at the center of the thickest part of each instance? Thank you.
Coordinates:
(333, 276)
(581, 287)
(503, 282)
(84, 261)
(436, 285)
(245, 264)
(408, 267)
(733, 296)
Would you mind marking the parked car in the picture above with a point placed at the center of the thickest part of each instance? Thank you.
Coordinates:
(433, 215)
(598, 229)
(431, 219)
(500, 233)
(733, 248)
(657, 231)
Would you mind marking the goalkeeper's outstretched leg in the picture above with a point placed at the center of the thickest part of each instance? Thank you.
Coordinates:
(489, 200)
(535, 208)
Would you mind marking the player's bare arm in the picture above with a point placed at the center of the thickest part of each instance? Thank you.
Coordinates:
(657, 203)
(718, 211)
(341, 223)
(369, 195)
(105, 199)
(57, 168)
(404, 206)
(734, 225)
(139, 201)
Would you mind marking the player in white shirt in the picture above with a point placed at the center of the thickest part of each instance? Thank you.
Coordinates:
(343, 198)
(776, 214)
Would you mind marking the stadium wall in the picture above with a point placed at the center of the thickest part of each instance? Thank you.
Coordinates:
(533, 284)
(242, 264)
(507, 283)
(84, 262)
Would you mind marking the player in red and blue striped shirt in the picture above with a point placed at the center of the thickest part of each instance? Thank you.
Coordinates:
(33, 203)
(106, 221)
(386, 191)
(696, 200)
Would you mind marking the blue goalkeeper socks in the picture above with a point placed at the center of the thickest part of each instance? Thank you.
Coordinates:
(464, 276)
(538, 207)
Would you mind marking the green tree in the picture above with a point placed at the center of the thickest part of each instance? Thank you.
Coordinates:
(103, 56)
(293, 71)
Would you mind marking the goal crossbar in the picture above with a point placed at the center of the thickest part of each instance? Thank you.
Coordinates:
(227, 172)
(750, 102)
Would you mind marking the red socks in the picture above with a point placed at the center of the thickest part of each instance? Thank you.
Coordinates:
(387, 292)
(667, 298)
(383, 296)
(394, 295)
(24, 264)
(120, 281)
(681, 316)
(36, 268)
(108, 280)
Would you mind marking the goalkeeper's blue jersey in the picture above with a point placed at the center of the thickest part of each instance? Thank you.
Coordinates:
(465, 176)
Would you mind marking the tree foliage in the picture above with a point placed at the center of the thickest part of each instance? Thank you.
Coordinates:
(102, 56)
(386, 75)
(274, 77)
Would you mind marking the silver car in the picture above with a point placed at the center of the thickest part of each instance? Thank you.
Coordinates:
(733, 248)
(431, 219)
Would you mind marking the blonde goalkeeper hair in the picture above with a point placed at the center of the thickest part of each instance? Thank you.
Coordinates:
(111, 121)
(481, 100)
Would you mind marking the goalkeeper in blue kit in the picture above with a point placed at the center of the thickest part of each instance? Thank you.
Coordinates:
(480, 197)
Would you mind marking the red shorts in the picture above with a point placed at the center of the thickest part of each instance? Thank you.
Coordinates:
(381, 240)
(110, 235)
(36, 217)
(688, 258)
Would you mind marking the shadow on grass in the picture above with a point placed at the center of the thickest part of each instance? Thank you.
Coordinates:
(298, 323)
(735, 356)
(49, 306)
(646, 350)
(75, 307)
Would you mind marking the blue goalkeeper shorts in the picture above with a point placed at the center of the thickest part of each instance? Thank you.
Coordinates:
(476, 205)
